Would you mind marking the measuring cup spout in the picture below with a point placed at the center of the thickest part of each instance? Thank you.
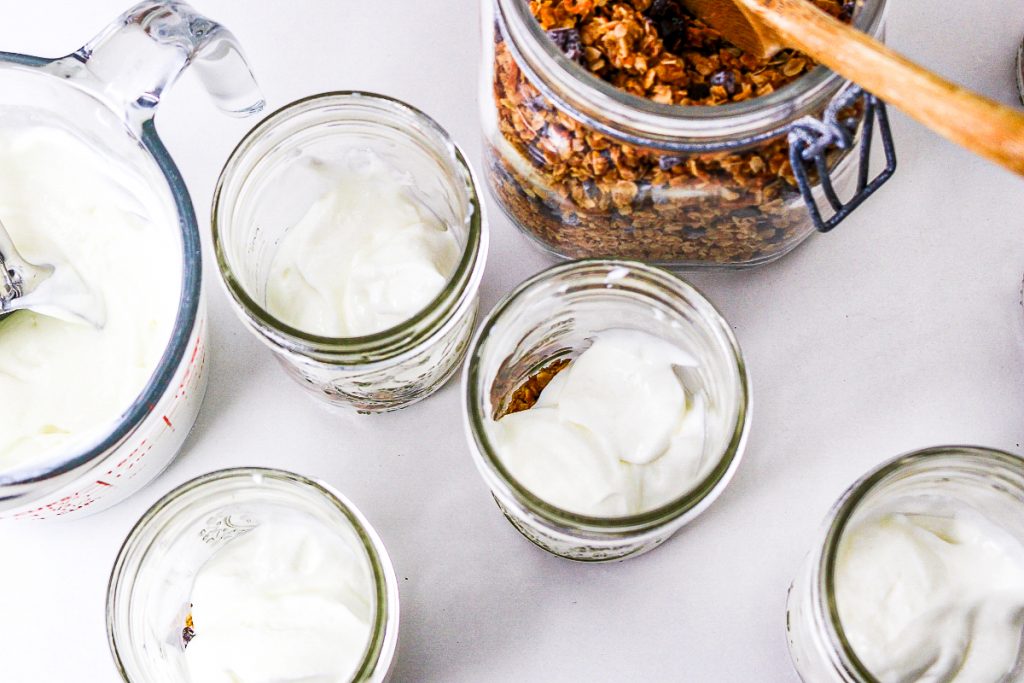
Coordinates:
(138, 56)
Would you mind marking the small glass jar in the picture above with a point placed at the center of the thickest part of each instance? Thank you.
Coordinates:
(991, 482)
(151, 583)
(555, 315)
(589, 170)
(263, 192)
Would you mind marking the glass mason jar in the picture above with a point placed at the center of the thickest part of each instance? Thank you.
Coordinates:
(263, 192)
(588, 170)
(555, 315)
(988, 481)
(151, 583)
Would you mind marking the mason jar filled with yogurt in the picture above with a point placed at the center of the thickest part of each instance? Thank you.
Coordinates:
(253, 576)
(919, 577)
(351, 238)
(607, 405)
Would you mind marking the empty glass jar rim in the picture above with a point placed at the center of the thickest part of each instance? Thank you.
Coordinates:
(399, 338)
(486, 452)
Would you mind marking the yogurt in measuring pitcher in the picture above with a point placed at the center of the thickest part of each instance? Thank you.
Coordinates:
(366, 256)
(615, 433)
(64, 202)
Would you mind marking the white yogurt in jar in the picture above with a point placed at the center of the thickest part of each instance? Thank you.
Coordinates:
(63, 202)
(615, 433)
(366, 256)
(284, 602)
(930, 597)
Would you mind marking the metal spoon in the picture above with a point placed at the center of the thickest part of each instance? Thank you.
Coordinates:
(54, 291)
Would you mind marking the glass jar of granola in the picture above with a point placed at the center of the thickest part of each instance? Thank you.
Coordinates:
(628, 129)
(542, 329)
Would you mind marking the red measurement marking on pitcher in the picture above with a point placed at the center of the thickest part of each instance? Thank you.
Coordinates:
(126, 468)
(196, 348)
(68, 504)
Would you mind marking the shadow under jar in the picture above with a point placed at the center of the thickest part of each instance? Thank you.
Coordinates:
(148, 599)
(265, 189)
(587, 169)
(948, 482)
(555, 316)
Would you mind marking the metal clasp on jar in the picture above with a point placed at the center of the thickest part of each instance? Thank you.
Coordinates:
(811, 140)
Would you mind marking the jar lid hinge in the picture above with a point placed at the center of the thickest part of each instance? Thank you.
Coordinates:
(811, 139)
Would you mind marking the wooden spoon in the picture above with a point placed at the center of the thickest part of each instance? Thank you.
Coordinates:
(763, 27)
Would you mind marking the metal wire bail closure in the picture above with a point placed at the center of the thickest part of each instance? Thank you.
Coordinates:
(810, 140)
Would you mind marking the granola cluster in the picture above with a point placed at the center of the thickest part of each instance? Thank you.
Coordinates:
(528, 393)
(582, 193)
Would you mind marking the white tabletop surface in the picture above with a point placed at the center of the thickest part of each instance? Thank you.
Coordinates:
(901, 330)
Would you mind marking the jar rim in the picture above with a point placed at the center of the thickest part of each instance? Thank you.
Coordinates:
(486, 455)
(643, 122)
(385, 587)
(393, 341)
(843, 513)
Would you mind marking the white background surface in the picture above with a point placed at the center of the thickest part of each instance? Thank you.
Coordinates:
(901, 330)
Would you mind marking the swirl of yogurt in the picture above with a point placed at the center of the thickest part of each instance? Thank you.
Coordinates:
(286, 601)
(63, 201)
(932, 597)
(615, 433)
(366, 256)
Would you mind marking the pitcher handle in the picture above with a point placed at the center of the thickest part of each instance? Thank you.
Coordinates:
(137, 57)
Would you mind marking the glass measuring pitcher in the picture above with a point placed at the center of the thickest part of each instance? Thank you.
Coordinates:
(107, 94)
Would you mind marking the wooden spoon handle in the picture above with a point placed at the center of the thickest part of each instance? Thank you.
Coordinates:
(968, 119)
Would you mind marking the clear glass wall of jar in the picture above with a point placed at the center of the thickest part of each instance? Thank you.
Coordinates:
(988, 481)
(261, 195)
(151, 583)
(554, 316)
(588, 170)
